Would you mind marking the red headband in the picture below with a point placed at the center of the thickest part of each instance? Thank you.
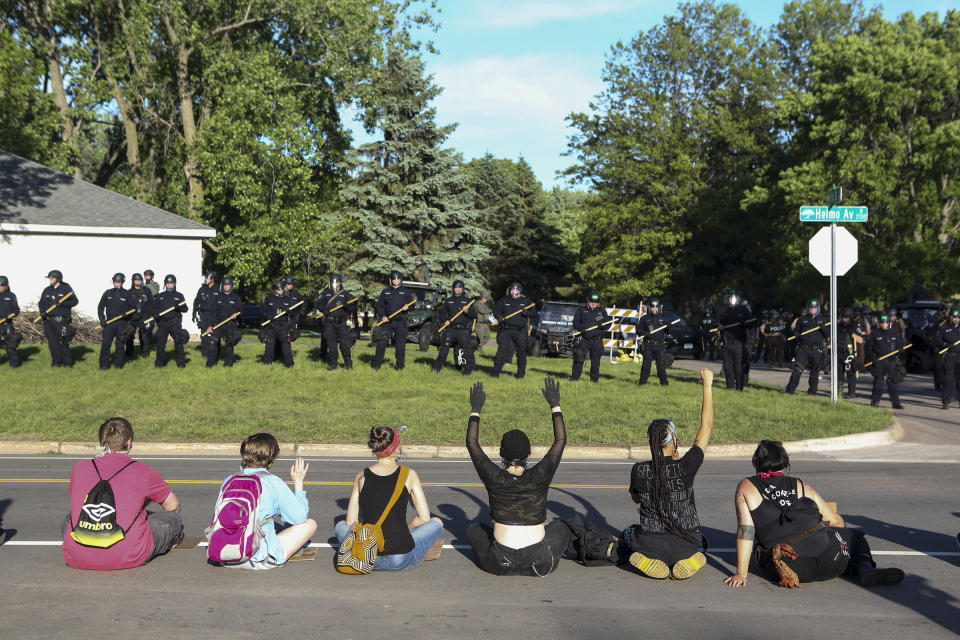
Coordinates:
(390, 448)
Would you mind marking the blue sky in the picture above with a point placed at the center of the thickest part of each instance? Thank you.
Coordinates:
(512, 70)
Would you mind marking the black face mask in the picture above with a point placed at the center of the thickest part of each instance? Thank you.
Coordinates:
(514, 463)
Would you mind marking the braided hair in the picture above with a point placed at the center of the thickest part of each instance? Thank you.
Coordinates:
(660, 432)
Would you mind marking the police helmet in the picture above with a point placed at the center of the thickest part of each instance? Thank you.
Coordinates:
(396, 275)
(594, 297)
(774, 315)
(227, 281)
(459, 284)
(892, 311)
(884, 318)
(277, 285)
(4, 282)
(954, 313)
(708, 311)
(515, 285)
(136, 277)
(148, 272)
(336, 281)
(867, 310)
(813, 303)
(118, 277)
(170, 279)
(654, 303)
(211, 275)
(846, 312)
(55, 273)
(732, 298)
(288, 280)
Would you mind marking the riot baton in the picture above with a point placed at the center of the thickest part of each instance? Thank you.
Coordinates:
(892, 353)
(339, 306)
(825, 324)
(122, 315)
(663, 327)
(218, 325)
(2, 320)
(285, 311)
(52, 307)
(164, 312)
(403, 308)
(596, 326)
(516, 312)
(939, 353)
(457, 314)
(730, 326)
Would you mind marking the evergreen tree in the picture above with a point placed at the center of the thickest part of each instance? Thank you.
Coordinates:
(408, 197)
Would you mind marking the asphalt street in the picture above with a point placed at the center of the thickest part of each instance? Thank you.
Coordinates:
(909, 511)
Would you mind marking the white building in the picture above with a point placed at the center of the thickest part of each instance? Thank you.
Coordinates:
(49, 220)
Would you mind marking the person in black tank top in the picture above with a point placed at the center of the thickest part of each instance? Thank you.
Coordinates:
(405, 545)
(800, 537)
(666, 541)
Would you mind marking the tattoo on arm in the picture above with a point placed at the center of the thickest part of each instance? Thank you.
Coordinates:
(745, 532)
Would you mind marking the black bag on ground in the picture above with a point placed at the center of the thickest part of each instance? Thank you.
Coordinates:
(591, 545)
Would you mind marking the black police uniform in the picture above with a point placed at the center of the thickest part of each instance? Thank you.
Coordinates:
(390, 301)
(297, 306)
(204, 314)
(115, 306)
(849, 355)
(734, 343)
(775, 336)
(811, 335)
(512, 333)
(143, 298)
(277, 332)
(708, 338)
(335, 329)
(9, 309)
(56, 323)
(228, 333)
(880, 343)
(458, 333)
(169, 323)
(653, 328)
(591, 323)
(938, 360)
(947, 338)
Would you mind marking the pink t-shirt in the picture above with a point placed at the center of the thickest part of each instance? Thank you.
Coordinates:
(135, 484)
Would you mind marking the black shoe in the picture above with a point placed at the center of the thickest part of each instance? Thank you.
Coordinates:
(898, 406)
(788, 392)
(348, 366)
(209, 366)
(574, 379)
(519, 376)
(182, 366)
(102, 368)
(375, 367)
(398, 367)
(880, 577)
(874, 403)
(667, 384)
(641, 382)
(945, 407)
(158, 365)
(494, 374)
(328, 368)
(811, 393)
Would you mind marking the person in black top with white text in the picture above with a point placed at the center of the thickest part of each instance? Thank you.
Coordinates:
(116, 307)
(456, 317)
(520, 542)
(226, 315)
(801, 538)
(653, 328)
(391, 308)
(9, 309)
(811, 333)
(513, 313)
(948, 337)
(56, 321)
(590, 321)
(168, 308)
(879, 346)
(666, 541)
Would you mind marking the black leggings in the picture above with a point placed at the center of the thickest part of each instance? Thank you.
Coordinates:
(667, 547)
(538, 559)
(846, 552)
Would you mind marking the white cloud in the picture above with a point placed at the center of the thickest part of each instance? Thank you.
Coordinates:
(531, 13)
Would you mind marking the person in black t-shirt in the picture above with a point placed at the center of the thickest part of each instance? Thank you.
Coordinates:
(666, 541)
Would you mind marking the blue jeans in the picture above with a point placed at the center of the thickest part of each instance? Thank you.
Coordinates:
(423, 538)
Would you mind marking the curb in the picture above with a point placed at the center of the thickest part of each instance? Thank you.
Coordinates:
(891, 434)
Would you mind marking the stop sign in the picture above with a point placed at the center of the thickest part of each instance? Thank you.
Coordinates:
(846, 247)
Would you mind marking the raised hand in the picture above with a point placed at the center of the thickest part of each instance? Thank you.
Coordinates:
(477, 397)
(551, 391)
(706, 375)
(298, 471)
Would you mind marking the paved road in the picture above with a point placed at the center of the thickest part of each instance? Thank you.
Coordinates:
(907, 509)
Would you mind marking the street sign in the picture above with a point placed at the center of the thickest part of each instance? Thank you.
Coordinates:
(813, 213)
(846, 247)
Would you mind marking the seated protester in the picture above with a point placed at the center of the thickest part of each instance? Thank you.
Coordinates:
(405, 545)
(257, 453)
(801, 538)
(520, 542)
(145, 535)
(667, 540)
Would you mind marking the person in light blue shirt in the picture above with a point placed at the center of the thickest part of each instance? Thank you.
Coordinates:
(258, 453)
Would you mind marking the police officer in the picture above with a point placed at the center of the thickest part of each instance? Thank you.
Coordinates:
(849, 350)
(733, 325)
(937, 322)
(143, 298)
(395, 299)
(591, 321)
(150, 283)
(482, 326)
(9, 309)
(336, 306)
(653, 328)
(513, 331)
(774, 331)
(456, 318)
(57, 321)
(226, 315)
(115, 308)
(948, 337)
(883, 341)
(708, 337)
(168, 309)
(811, 333)
(204, 312)
(275, 311)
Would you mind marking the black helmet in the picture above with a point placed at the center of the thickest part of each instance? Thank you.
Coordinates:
(459, 283)
(55, 273)
(336, 280)
(148, 272)
(4, 282)
(709, 310)
(884, 318)
(867, 310)
(732, 298)
(170, 279)
(211, 275)
(594, 297)
(774, 315)
(118, 277)
(515, 285)
(396, 275)
(228, 281)
(846, 312)
(954, 313)
(813, 303)
(277, 285)
(655, 304)
(136, 277)
(288, 280)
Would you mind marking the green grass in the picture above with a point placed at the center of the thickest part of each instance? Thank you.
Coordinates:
(310, 404)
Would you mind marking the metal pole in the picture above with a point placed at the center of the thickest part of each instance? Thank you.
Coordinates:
(833, 313)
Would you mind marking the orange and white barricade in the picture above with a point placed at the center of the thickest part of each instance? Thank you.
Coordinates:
(622, 334)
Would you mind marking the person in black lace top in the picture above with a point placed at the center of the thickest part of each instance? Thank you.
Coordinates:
(520, 542)
(801, 537)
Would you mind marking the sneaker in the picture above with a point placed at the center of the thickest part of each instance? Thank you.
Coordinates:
(434, 551)
(881, 577)
(650, 566)
(688, 566)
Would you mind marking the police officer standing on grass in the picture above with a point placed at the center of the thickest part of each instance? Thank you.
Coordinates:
(653, 328)
(150, 283)
(392, 299)
(811, 333)
(226, 315)
(708, 337)
(9, 309)
(948, 337)
(733, 327)
(143, 298)
(456, 319)
(513, 331)
(204, 312)
(168, 309)
(591, 321)
(116, 307)
(298, 306)
(482, 326)
(774, 331)
(938, 322)
(883, 341)
(274, 311)
(56, 321)
(337, 306)
(849, 350)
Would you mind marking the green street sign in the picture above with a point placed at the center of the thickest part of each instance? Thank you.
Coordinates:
(813, 213)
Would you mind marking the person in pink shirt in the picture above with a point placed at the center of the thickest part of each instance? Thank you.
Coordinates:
(134, 484)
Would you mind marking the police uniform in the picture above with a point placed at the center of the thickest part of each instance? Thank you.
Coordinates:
(168, 308)
(115, 309)
(337, 306)
(143, 298)
(591, 323)
(849, 352)
(9, 309)
(275, 311)
(512, 332)
(458, 332)
(775, 335)
(228, 304)
(948, 337)
(811, 333)
(57, 322)
(880, 343)
(391, 300)
(708, 337)
(204, 314)
(653, 328)
(733, 320)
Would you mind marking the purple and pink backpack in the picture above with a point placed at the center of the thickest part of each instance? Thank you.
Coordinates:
(234, 533)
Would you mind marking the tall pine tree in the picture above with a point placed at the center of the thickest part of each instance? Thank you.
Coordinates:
(407, 195)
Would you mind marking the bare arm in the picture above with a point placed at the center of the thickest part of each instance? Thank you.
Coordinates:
(830, 516)
(706, 411)
(745, 533)
(171, 503)
(353, 509)
(415, 487)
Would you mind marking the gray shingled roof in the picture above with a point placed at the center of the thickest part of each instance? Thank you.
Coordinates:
(31, 193)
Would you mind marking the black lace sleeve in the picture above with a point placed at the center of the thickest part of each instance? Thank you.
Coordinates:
(481, 462)
(559, 439)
